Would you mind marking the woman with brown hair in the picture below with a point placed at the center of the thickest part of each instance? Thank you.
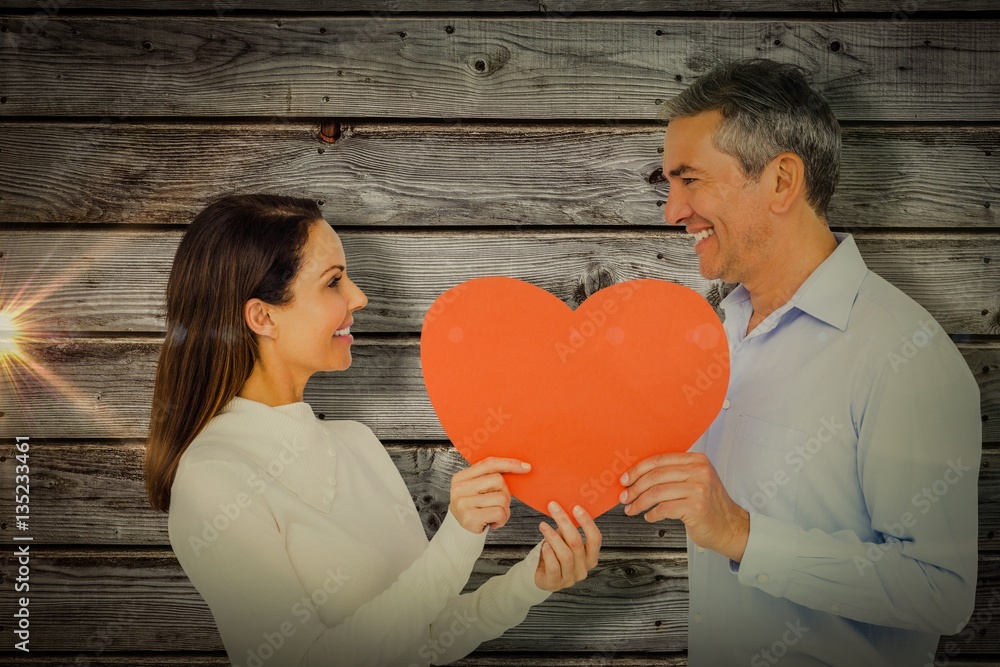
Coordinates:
(300, 534)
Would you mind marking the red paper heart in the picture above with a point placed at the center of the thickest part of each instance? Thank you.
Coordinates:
(639, 368)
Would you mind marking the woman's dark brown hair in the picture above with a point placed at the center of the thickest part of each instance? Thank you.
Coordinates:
(237, 248)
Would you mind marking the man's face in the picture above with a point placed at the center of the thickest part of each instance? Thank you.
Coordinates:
(708, 191)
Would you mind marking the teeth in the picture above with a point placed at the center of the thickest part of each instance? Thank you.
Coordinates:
(342, 332)
(703, 234)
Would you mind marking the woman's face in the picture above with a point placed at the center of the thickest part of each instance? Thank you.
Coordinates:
(312, 332)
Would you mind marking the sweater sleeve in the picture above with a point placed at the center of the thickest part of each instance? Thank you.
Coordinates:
(232, 551)
(473, 618)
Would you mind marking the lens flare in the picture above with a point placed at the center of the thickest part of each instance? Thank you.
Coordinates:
(8, 336)
(48, 385)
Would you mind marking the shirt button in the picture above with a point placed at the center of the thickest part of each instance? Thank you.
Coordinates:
(697, 618)
(761, 578)
(726, 404)
(329, 452)
(701, 550)
(328, 498)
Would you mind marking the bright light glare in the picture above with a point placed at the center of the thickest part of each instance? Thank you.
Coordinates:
(9, 332)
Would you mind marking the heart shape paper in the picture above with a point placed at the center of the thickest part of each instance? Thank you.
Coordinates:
(640, 368)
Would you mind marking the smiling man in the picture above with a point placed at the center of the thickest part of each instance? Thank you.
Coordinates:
(831, 507)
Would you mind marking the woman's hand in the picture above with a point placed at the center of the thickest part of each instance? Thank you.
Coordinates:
(566, 557)
(479, 494)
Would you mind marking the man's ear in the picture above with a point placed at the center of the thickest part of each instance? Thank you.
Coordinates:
(257, 315)
(789, 178)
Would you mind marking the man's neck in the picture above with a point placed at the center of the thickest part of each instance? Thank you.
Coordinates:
(777, 282)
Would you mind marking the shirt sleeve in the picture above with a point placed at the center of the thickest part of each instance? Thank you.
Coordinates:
(473, 618)
(232, 551)
(919, 447)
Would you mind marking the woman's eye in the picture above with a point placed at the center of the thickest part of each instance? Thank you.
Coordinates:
(334, 282)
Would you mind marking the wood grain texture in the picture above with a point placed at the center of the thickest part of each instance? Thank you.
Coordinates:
(455, 174)
(606, 658)
(121, 600)
(132, 600)
(102, 388)
(510, 68)
(87, 280)
(93, 493)
(895, 10)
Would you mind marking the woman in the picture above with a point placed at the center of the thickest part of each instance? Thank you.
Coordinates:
(300, 534)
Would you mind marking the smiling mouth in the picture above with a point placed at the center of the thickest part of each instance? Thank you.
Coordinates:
(342, 332)
(703, 234)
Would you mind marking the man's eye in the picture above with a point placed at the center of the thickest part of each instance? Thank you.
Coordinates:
(689, 181)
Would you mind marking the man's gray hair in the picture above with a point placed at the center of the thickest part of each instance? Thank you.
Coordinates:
(768, 108)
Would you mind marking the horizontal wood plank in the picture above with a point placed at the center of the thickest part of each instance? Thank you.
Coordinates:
(133, 600)
(607, 658)
(895, 9)
(115, 601)
(87, 280)
(93, 493)
(510, 68)
(102, 388)
(455, 174)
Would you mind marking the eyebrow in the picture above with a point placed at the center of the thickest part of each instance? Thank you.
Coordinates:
(684, 169)
(333, 268)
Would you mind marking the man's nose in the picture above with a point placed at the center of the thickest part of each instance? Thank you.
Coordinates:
(676, 209)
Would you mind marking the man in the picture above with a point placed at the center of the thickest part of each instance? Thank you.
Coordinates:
(831, 506)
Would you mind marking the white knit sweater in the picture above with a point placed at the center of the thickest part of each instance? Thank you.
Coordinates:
(304, 541)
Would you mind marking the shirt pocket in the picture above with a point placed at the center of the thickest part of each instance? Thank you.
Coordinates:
(760, 477)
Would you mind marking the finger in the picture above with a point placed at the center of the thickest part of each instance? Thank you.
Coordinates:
(568, 545)
(487, 500)
(494, 464)
(667, 474)
(551, 563)
(563, 554)
(577, 566)
(673, 509)
(592, 534)
(642, 467)
(484, 501)
(483, 484)
(658, 494)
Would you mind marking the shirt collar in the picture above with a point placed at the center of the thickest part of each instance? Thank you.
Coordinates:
(829, 293)
(283, 442)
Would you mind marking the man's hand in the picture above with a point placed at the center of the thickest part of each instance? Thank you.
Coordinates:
(686, 487)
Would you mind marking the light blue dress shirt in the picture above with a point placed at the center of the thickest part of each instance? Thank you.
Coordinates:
(851, 432)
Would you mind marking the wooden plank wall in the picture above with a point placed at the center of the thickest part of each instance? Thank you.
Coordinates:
(445, 139)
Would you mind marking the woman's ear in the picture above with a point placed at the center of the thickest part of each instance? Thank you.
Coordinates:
(257, 315)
